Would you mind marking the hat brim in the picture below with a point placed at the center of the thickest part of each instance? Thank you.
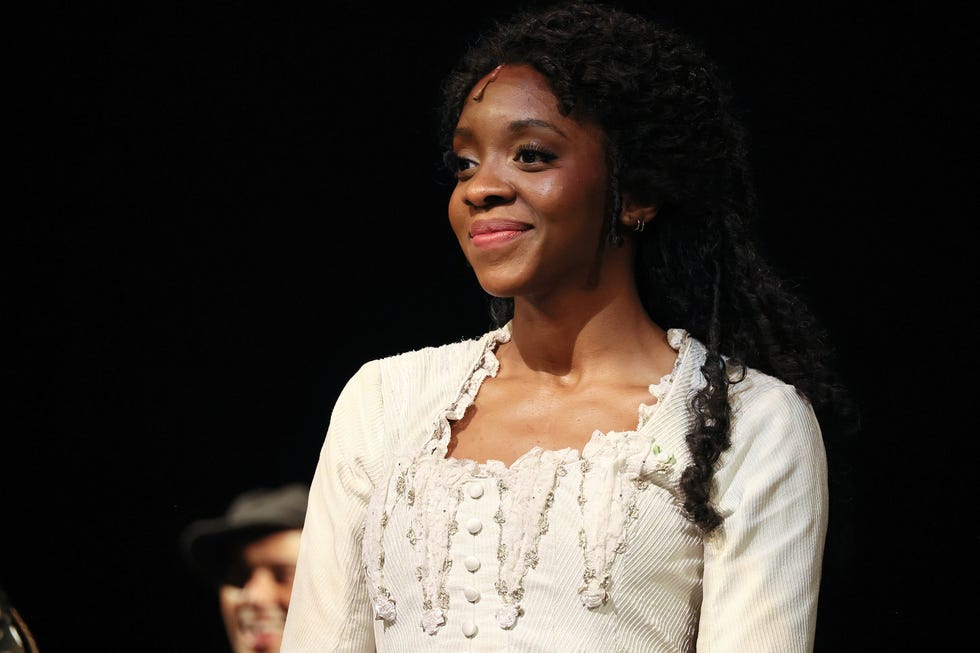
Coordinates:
(209, 544)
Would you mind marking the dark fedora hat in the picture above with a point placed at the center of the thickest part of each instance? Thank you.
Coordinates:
(207, 544)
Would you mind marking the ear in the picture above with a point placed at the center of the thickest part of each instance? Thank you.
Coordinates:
(635, 214)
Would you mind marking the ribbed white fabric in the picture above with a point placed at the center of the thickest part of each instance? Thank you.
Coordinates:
(375, 545)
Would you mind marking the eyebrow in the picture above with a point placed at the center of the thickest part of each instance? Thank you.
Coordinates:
(516, 127)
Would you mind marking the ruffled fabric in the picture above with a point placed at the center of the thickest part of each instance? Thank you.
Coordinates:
(676, 339)
(507, 616)
(614, 467)
(527, 492)
(384, 609)
(432, 619)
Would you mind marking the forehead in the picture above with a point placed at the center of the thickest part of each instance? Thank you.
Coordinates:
(516, 87)
(282, 546)
(513, 92)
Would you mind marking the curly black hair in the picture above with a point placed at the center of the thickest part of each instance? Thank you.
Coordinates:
(673, 139)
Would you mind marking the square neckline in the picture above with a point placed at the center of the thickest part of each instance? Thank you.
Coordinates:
(488, 365)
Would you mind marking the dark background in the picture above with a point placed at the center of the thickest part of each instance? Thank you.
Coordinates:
(217, 212)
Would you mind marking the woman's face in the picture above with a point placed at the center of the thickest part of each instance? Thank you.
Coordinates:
(530, 197)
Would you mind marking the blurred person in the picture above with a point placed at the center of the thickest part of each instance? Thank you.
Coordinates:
(249, 555)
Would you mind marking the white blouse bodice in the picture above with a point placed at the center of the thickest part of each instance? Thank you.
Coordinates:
(563, 550)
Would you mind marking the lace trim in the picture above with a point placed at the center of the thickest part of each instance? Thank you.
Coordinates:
(615, 469)
(676, 339)
(526, 492)
(486, 365)
(614, 466)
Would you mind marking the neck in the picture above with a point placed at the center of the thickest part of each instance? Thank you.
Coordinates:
(583, 333)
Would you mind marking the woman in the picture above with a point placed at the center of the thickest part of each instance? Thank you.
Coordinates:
(631, 459)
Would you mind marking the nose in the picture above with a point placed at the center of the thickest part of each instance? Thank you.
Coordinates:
(488, 187)
(261, 588)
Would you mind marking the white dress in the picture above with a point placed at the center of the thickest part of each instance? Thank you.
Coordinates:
(405, 549)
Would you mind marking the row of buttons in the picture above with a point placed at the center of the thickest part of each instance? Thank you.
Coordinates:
(474, 525)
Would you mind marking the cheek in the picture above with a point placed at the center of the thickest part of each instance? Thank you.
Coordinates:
(580, 195)
(285, 591)
(228, 600)
(457, 216)
(591, 194)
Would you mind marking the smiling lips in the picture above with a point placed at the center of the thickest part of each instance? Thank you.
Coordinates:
(488, 233)
(260, 628)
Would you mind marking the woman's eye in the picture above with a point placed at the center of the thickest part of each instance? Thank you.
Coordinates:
(460, 164)
(456, 163)
(531, 154)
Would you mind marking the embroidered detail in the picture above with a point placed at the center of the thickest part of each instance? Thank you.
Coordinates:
(614, 468)
(438, 487)
(507, 616)
(378, 515)
(432, 619)
(608, 492)
(526, 494)
(662, 457)
(384, 609)
(592, 599)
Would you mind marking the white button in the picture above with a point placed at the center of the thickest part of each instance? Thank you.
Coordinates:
(472, 563)
(469, 628)
(472, 594)
(475, 490)
(474, 525)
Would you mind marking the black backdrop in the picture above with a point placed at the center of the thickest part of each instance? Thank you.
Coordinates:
(217, 212)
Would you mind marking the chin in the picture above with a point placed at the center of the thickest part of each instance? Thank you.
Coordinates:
(258, 642)
(500, 287)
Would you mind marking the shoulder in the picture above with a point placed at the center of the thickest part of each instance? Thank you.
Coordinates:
(763, 406)
(753, 397)
(409, 387)
(448, 353)
(774, 428)
(428, 357)
(760, 398)
(427, 363)
(393, 401)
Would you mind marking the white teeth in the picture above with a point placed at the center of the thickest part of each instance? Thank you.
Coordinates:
(255, 620)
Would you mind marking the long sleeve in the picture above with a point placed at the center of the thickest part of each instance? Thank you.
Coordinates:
(329, 609)
(762, 571)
